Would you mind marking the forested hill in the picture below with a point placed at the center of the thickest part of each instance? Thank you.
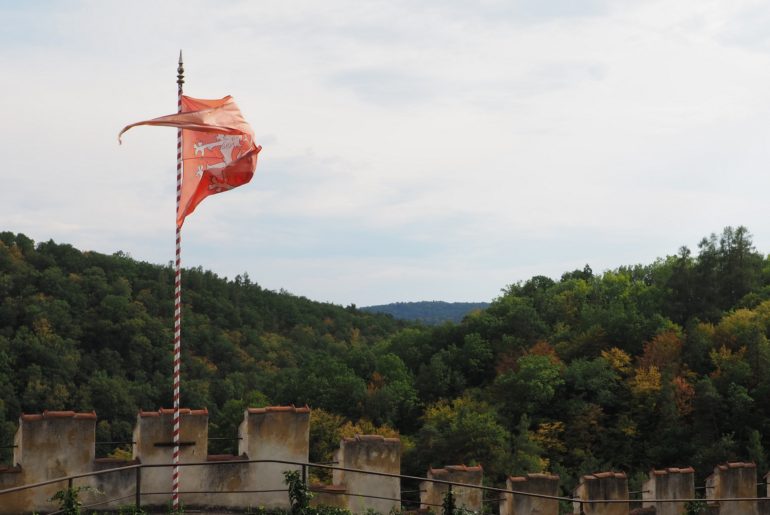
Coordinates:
(428, 312)
(662, 364)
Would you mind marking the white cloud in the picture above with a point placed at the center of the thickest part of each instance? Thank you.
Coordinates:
(410, 150)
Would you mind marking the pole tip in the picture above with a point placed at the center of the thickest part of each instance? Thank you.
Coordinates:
(180, 72)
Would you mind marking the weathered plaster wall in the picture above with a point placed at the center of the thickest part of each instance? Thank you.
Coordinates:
(733, 480)
(603, 486)
(670, 483)
(153, 435)
(274, 433)
(516, 504)
(372, 453)
(432, 494)
(48, 445)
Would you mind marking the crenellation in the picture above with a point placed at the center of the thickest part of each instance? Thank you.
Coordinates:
(733, 480)
(520, 504)
(669, 483)
(371, 453)
(602, 486)
(154, 437)
(272, 433)
(432, 494)
(55, 444)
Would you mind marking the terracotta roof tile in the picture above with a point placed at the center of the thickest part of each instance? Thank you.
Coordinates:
(674, 470)
(278, 409)
(58, 414)
(464, 468)
(170, 411)
(543, 475)
(371, 438)
(604, 475)
(741, 465)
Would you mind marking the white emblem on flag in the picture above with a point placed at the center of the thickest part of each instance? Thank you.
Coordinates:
(230, 147)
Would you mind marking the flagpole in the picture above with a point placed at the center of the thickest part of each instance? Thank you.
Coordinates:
(177, 296)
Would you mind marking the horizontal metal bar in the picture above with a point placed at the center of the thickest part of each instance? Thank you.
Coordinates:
(228, 492)
(371, 473)
(224, 438)
(173, 444)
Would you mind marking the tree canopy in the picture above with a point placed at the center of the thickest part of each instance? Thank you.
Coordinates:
(664, 364)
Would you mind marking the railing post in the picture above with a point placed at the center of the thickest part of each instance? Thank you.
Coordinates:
(304, 474)
(138, 499)
(69, 485)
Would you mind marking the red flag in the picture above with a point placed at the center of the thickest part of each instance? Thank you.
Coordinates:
(218, 149)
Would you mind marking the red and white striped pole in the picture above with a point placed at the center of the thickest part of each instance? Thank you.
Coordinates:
(177, 297)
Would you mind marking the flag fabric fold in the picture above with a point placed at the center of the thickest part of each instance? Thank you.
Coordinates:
(218, 149)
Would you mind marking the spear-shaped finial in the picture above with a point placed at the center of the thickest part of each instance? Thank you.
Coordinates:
(180, 72)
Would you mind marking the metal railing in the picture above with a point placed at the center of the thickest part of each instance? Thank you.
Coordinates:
(499, 493)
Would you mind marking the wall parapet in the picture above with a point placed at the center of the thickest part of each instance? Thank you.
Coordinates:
(432, 494)
(602, 486)
(56, 444)
(520, 504)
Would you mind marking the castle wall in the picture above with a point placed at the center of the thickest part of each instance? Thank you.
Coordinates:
(732, 480)
(600, 487)
(372, 453)
(670, 483)
(273, 433)
(154, 436)
(56, 444)
(521, 504)
(432, 494)
(48, 445)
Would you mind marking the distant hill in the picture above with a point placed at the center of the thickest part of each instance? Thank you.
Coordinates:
(428, 312)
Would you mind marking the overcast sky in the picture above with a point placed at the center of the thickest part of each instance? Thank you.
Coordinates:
(413, 150)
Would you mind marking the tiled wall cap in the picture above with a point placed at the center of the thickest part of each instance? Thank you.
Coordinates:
(58, 414)
(741, 465)
(543, 475)
(278, 409)
(603, 475)
(170, 411)
(464, 468)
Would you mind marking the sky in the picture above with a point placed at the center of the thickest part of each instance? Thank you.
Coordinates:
(431, 150)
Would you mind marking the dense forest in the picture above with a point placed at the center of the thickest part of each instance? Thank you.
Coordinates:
(664, 364)
(432, 312)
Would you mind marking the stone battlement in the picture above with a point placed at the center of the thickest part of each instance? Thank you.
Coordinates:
(56, 444)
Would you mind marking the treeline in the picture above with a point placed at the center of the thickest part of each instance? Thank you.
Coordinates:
(428, 312)
(665, 364)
